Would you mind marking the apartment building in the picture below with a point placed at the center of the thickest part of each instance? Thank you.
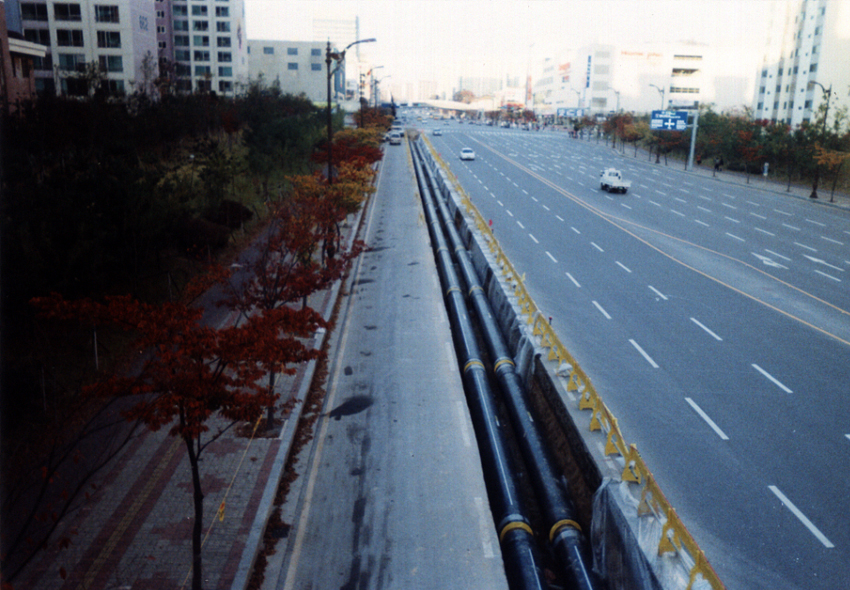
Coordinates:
(296, 66)
(82, 36)
(806, 53)
(17, 81)
(202, 44)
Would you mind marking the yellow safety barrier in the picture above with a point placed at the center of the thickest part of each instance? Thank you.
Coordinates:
(675, 537)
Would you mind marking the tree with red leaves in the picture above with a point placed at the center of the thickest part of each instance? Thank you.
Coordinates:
(192, 373)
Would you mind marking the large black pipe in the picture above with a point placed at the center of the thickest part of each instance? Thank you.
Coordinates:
(564, 532)
(519, 548)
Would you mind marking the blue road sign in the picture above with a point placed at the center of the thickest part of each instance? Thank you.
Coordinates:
(668, 120)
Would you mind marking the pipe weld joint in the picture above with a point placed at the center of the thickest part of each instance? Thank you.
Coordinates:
(474, 363)
(516, 524)
(503, 361)
(473, 288)
(556, 528)
(452, 289)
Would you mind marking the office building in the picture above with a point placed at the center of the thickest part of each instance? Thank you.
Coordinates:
(297, 67)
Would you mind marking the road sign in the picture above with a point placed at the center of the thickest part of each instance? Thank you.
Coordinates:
(668, 120)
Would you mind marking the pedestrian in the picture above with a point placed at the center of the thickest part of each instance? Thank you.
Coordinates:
(716, 164)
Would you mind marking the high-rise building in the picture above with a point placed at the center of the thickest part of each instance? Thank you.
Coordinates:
(296, 66)
(808, 44)
(203, 43)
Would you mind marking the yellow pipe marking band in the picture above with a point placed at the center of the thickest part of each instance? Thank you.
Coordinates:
(553, 532)
(514, 525)
(453, 289)
(474, 287)
(502, 362)
(471, 364)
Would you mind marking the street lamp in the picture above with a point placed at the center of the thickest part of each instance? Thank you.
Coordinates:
(828, 94)
(375, 83)
(340, 58)
(617, 92)
(661, 90)
(578, 94)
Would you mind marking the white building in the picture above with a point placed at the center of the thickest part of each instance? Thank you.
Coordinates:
(205, 40)
(114, 34)
(808, 42)
(297, 66)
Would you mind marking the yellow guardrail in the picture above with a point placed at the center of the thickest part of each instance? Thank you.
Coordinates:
(675, 537)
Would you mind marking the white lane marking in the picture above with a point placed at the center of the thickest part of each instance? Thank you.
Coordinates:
(559, 218)
(754, 204)
(626, 206)
(525, 191)
(767, 261)
(701, 208)
(492, 195)
(772, 378)
(815, 222)
(500, 203)
(654, 203)
(680, 200)
(804, 246)
(677, 213)
(643, 354)
(519, 223)
(660, 193)
(657, 292)
(701, 223)
(794, 227)
(464, 430)
(802, 517)
(728, 205)
(757, 215)
(828, 276)
(708, 420)
(709, 332)
(623, 266)
(596, 246)
(824, 262)
(831, 240)
(552, 257)
(783, 213)
(545, 207)
(601, 310)
(575, 230)
(731, 219)
(508, 211)
(779, 255)
(736, 237)
(572, 278)
(533, 238)
(764, 231)
(704, 197)
(535, 199)
(484, 528)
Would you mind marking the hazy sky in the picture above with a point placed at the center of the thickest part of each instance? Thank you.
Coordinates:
(442, 39)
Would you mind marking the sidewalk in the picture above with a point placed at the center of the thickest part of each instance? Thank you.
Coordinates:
(134, 529)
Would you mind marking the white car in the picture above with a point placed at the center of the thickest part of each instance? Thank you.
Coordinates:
(437, 132)
(467, 154)
(611, 180)
(395, 138)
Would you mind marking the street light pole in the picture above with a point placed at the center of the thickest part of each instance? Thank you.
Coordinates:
(828, 93)
(339, 57)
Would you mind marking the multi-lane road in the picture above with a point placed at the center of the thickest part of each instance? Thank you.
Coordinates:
(713, 318)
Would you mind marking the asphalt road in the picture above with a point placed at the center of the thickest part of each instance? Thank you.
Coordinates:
(712, 318)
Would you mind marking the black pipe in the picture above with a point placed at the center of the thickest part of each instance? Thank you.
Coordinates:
(553, 495)
(519, 548)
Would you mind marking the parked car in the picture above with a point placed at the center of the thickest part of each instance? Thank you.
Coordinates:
(395, 138)
(467, 154)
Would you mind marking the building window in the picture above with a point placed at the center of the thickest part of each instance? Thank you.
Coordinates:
(181, 10)
(111, 63)
(199, 11)
(42, 63)
(203, 70)
(69, 37)
(200, 41)
(115, 87)
(225, 71)
(107, 14)
(223, 41)
(181, 40)
(316, 67)
(109, 39)
(71, 61)
(67, 12)
(316, 52)
(202, 55)
(222, 26)
(225, 86)
(761, 90)
(181, 25)
(160, 14)
(182, 55)
(225, 56)
(268, 50)
(292, 66)
(813, 68)
(183, 70)
(32, 11)
(160, 29)
(291, 51)
(200, 25)
(222, 11)
(40, 36)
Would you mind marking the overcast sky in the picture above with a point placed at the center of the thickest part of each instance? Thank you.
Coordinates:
(443, 39)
